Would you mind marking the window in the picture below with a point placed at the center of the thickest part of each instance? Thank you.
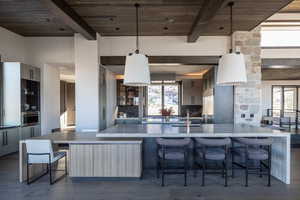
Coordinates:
(285, 100)
(163, 95)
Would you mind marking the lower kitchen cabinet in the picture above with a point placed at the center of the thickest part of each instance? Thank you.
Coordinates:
(30, 131)
(9, 141)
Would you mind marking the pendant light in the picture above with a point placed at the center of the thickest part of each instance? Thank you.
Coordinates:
(136, 66)
(232, 67)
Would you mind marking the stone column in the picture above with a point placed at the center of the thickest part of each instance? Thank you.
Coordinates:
(247, 97)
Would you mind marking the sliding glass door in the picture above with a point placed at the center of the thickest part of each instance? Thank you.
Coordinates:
(285, 100)
(162, 95)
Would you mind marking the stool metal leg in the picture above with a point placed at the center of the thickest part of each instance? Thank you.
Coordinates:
(226, 167)
(269, 165)
(163, 169)
(185, 168)
(203, 170)
(260, 169)
(246, 169)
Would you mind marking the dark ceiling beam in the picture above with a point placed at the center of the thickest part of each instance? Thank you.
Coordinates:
(205, 14)
(281, 63)
(64, 12)
(184, 60)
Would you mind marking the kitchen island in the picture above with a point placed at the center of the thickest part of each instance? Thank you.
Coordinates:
(138, 147)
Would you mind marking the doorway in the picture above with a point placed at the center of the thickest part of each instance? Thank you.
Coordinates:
(67, 105)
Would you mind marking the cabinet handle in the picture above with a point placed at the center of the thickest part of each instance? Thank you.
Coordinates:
(6, 137)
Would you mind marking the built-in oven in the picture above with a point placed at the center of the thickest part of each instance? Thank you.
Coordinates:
(30, 118)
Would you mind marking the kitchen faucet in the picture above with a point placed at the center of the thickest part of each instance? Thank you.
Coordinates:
(188, 122)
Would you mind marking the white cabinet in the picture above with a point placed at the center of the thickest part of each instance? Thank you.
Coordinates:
(9, 141)
(30, 73)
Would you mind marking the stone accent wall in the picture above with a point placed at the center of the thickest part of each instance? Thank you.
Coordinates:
(247, 97)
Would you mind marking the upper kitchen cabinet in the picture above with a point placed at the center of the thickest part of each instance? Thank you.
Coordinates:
(20, 94)
(30, 73)
(192, 92)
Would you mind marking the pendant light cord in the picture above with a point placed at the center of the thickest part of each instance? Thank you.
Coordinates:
(137, 26)
(230, 4)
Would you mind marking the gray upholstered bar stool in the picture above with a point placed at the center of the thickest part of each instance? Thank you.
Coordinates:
(214, 149)
(256, 149)
(172, 150)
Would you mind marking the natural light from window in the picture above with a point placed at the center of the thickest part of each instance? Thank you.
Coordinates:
(280, 38)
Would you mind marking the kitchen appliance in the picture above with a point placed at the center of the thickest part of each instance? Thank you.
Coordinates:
(30, 118)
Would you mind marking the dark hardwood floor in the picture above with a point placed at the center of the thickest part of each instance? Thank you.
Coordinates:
(148, 188)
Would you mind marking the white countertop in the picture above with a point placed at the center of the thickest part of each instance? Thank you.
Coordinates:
(205, 130)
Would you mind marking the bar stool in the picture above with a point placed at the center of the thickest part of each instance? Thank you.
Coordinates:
(256, 149)
(172, 150)
(214, 149)
(41, 152)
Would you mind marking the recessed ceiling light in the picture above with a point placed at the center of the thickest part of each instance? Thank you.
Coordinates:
(170, 20)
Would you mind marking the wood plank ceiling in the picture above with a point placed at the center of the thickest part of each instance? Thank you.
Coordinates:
(117, 17)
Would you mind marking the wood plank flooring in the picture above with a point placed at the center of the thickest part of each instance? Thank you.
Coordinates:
(147, 188)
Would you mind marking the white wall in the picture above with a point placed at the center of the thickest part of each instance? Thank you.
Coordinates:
(49, 50)
(165, 45)
(12, 46)
(111, 98)
(50, 99)
(267, 92)
(87, 83)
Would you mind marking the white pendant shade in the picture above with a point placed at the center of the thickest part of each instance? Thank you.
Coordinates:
(232, 70)
(136, 70)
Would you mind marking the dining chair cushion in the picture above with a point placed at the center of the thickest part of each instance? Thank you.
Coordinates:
(253, 153)
(172, 154)
(211, 153)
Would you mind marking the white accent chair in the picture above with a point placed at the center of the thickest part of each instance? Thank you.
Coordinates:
(41, 152)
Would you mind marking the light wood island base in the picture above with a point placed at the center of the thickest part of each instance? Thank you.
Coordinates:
(107, 158)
